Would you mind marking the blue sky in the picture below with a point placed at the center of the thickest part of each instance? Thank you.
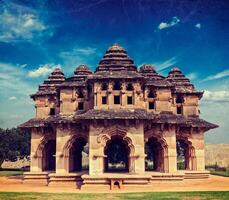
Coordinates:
(36, 36)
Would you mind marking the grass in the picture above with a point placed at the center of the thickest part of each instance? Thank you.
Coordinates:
(215, 170)
(11, 173)
(126, 196)
(220, 173)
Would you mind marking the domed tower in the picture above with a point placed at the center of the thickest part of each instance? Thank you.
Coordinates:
(179, 80)
(49, 85)
(78, 90)
(55, 78)
(116, 59)
(82, 70)
(46, 98)
(149, 71)
(185, 96)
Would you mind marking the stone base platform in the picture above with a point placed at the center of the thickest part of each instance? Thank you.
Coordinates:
(114, 181)
(196, 174)
(68, 179)
(109, 181)
(158, 176)
(40, 178)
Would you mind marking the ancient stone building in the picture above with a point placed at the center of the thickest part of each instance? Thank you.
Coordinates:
(116, 127)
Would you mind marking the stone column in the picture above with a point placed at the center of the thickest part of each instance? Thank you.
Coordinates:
(123, 96)
(197, 140)
(96, 151)
(171, 155)
(137, 163)
(110, 96)
(63, 134)
(36, 160)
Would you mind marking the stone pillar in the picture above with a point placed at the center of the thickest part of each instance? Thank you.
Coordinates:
(171, 154)
(138, 159)
(123, 99)
(110, 96)
(63, 134)
(197, 140)
(96, 155)
(36, 160)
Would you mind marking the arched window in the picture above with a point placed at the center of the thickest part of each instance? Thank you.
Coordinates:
(152, 94)
(104, 86)
(80, 94)
(179, 99)
(117, 85)
(129, 87)
(52, 111)
(179, 110)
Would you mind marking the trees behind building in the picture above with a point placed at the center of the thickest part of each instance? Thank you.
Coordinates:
(14, 145)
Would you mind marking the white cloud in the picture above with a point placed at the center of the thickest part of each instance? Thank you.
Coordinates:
(78, 52)
(173, 22)
(192, 76)
(198, 25)
(85, 51)
(43, 70)
(165, 64)
(216, 112)
(12, 98)
(219, 75)
(12, 80)
(214, 108)
(23, 65)
(216, 96)
(78, 55)
(18, 23)
(14, 92)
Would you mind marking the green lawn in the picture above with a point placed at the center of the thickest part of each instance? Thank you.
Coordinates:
(127, 196)
(10, 173)
(220, 173)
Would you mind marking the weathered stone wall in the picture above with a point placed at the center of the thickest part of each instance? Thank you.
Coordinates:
(217, 153)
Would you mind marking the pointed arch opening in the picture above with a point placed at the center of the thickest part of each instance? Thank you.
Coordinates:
(117, 85)
(156, 156)
(129, 87)
(78, 155)
(49, 156)
(117, 154)
(186, 159)
(104, 86)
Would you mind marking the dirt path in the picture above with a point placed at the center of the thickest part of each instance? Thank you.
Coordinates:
(213, 183)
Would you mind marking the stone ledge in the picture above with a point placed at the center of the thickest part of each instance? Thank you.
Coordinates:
(37, 178)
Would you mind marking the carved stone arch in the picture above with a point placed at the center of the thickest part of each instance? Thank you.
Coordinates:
(69, 143)
(153, 132)
(106, 136)
(151, 92)
(157, 136)
(103, 86)
(191, 163)
(45, 139)
(107, 133)
(69, 161)
(40, 153)
(130, 145)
